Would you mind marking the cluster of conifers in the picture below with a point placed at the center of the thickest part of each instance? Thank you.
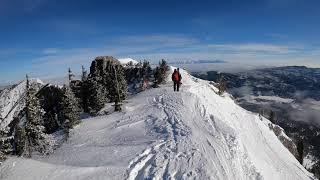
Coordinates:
(51, 109)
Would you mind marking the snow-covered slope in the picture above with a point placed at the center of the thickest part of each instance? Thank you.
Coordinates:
(12, 102)
(192, 134)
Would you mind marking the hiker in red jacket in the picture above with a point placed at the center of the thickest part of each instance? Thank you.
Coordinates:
(176, 78)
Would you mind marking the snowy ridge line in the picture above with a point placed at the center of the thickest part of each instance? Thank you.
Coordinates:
(161, 134)
(230, 139)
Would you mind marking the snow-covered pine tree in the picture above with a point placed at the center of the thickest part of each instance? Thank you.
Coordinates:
(5, 146)
(164, 68)
(161, 72)
(71, 111)
(84, 95)
(36, 139)
(118, 85)
(157, 78)
(97, 95)
(145, 75)
(146, 69)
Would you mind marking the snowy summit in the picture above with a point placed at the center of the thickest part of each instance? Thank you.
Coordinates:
(161, 134)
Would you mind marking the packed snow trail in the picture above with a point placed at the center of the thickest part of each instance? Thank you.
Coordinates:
(191, 134)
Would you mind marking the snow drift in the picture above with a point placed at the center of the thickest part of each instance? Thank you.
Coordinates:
(192, 134)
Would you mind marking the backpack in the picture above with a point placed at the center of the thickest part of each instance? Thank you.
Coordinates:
(176, 76)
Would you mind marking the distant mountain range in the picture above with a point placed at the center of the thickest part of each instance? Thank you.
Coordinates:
(199, 62)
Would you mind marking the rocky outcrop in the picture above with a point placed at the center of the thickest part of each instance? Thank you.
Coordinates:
(101, 64)
(284, 139)
(106, 82)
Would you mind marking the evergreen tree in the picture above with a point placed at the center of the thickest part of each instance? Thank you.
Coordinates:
(21, 140)
(98, 95)
(5, 147)
(146, 69)
(71, 111)
(157, 77)
(70, 75)
(161, 72)
(35, 137)
(84, 95)
(50, 101)
(118, 85)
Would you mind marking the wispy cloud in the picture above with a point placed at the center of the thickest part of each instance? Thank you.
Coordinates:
(49, 51)
(55, 60)
(255, 48)
(177, 47)
(156, 41)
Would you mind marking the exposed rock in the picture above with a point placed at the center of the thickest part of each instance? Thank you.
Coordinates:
(285, 140)
(101, 63)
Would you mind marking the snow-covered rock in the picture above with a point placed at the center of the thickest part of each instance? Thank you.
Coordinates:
(161, 134)
(126, 61)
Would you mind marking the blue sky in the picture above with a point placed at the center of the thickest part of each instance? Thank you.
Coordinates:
(45, 37)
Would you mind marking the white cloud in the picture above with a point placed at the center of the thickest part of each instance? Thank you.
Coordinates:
(172, 40)
(255, 48)
(177, 47)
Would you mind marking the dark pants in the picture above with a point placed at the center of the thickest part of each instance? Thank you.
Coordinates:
(176, 85)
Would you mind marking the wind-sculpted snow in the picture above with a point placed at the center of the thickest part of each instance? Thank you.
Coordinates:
(192, 134)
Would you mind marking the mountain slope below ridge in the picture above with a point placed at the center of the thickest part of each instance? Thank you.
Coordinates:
(192, 134)
(12, 102)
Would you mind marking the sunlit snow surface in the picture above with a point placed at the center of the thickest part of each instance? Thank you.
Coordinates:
(161, 134)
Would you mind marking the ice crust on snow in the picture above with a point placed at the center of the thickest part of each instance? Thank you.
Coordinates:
(191, 134)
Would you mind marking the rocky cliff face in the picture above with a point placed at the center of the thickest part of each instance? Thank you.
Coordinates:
(109, 72)
(101, 63)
